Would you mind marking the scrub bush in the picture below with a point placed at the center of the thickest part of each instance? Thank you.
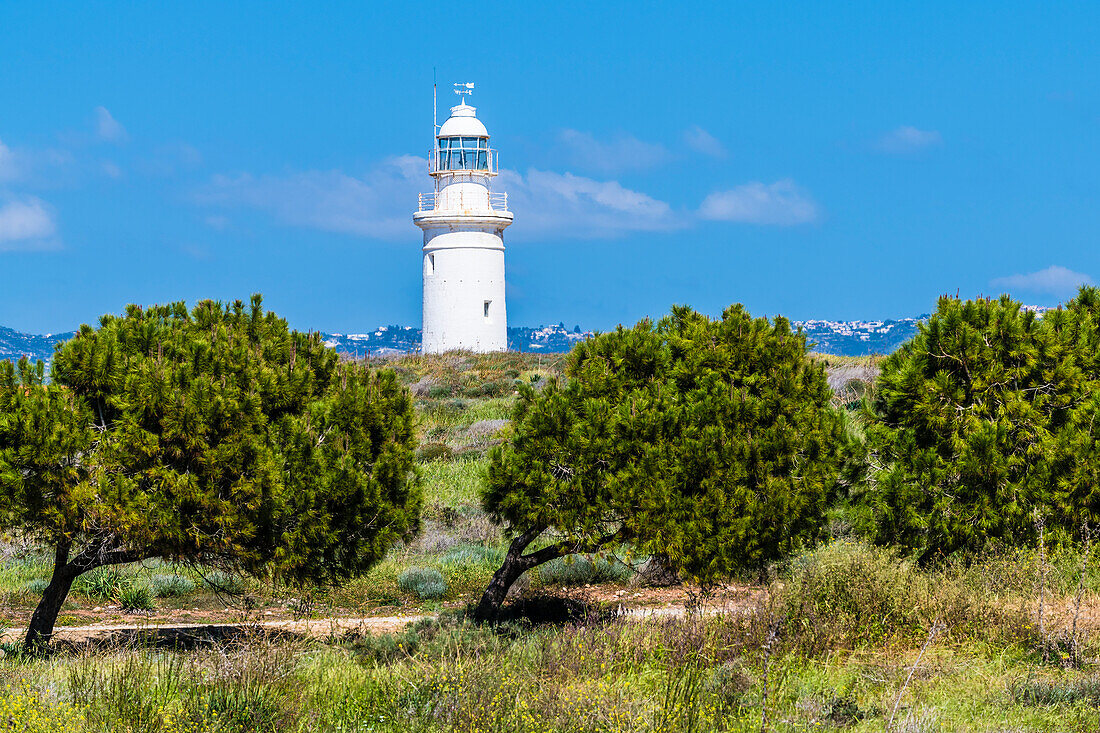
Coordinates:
(584, 569)
(222, 582)
(424, 583)
(171, 586)
(136, 597)
(37, 585)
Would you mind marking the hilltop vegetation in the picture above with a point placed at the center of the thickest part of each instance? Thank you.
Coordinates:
(834, 633)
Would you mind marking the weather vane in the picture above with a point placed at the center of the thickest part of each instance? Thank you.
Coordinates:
(464, 87)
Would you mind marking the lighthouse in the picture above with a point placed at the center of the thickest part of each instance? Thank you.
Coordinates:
(463, 222)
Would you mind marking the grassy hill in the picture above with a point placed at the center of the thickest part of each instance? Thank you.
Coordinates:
(841, 637)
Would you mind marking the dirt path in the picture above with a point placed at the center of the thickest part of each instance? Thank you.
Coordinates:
(313, 628)
(167, 627)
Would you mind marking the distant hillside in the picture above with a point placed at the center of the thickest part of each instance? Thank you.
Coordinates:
(842, 338)
(383, 341)
(14, 344)
(859, 338)
(387, 340)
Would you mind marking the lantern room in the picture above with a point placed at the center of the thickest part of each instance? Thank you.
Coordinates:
(462, 146)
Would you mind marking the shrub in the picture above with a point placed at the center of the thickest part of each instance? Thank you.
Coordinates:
(434, 452)
(136, 597)
(103, 583)
(983, 423)
(466, 555)
(584, 569)
(424, 583)
(223, 582)
(171, 586)
(497, 388)
(850, 595)
(37, 585)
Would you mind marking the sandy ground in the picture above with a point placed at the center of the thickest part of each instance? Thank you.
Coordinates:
(110, 624)
(315, 628)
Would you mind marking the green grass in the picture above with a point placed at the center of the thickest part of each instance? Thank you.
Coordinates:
(447, 421)
(628, 675)
(454, 483)
(17, 572)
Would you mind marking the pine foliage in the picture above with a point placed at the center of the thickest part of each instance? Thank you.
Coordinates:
(215, 435)
(985, 424)
(709, 441)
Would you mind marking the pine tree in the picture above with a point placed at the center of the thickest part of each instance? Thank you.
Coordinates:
(709, 442)
(983, 421)
(214, 436)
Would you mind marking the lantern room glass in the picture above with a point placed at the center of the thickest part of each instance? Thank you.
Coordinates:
(463, 154)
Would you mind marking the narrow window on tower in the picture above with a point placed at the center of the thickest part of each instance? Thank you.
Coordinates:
(487, 304)
(429, 264)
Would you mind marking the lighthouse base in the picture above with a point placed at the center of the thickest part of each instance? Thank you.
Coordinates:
(464, 296)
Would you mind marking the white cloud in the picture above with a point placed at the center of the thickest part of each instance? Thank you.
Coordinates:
(622, 153)
(565, 204)
(107, 127)
(908, 139)
(26, 223)
(111, 169)
(8, 169)
(380, 204)
(781, 203)
(1054, 280)
(703, 142)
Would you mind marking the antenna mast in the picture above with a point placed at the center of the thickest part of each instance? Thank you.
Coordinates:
(435, 113)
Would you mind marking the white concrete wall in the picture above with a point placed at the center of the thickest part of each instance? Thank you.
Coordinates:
(464, 269)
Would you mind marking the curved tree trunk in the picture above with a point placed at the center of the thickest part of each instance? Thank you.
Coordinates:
(65, 571)
(45, 614)
(516, 564)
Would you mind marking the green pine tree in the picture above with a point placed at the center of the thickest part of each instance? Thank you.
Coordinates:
(214, 436)
(709, 442)
(985, 421)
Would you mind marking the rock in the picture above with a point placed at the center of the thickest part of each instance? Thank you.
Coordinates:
(97, 609)
(656, 573)
(422, 388)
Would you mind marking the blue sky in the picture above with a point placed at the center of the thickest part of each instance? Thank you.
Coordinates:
(817, 159)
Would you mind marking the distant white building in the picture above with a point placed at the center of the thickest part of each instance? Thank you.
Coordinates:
(463, 222)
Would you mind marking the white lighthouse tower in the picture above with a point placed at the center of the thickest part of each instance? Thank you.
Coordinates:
(463, 223)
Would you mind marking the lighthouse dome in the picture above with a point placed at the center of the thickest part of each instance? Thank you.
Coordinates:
(463, 122)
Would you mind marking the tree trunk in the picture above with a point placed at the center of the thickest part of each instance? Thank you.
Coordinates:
(45, 615)
(65, 571)
(515, 565)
